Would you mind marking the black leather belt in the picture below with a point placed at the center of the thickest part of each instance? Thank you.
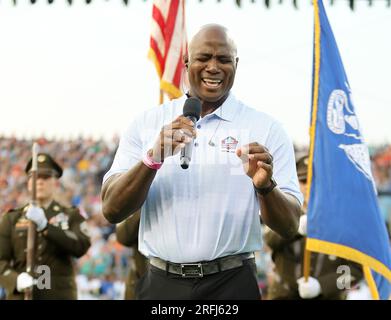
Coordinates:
(200, 269)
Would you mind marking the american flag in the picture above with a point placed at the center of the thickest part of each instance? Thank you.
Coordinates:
(168, 44)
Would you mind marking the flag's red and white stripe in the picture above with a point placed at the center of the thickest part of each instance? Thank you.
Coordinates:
(168, 44)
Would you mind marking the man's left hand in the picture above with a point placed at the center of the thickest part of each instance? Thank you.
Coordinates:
(257, 163)
(37, 215)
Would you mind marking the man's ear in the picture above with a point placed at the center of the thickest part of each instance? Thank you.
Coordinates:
(186, 60)
(237, 61)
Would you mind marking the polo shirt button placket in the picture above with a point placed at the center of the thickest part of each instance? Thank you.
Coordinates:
(196, 144)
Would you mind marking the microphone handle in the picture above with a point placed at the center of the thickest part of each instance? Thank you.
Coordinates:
(187, 150)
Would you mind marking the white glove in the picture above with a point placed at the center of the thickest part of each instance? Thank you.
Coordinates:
(309, 289)
(303, 225)
(24, 281)
(37, 215)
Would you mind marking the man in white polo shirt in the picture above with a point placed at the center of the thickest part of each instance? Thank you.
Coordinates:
(199, 227)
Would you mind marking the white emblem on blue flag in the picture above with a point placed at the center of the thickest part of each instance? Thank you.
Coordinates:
(341, 119)
(359, 156)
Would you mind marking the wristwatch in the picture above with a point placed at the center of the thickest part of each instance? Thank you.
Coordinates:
(265, 191)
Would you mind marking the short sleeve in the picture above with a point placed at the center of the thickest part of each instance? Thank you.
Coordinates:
(284, 164)
(129, 151)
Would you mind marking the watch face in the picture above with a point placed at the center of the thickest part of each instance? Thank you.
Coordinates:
(272, 186)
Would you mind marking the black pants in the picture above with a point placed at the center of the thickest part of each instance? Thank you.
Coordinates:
(235, 284)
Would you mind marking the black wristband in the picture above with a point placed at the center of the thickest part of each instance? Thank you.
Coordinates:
(265, 191)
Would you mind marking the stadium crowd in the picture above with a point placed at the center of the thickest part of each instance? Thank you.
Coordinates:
(102, 271)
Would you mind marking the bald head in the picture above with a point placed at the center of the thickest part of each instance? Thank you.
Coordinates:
(211, 30)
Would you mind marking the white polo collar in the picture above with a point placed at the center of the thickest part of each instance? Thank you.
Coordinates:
(226, 111)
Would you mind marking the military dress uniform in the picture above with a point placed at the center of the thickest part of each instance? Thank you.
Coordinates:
(288, 254)
(64, 238)
(127, 235)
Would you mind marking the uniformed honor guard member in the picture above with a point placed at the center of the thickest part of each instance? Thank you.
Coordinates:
(61, 236)
(326, 282)
(127, 235)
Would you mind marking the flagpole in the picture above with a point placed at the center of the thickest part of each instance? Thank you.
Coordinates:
(161, 97)
(307, 253)
(32, 231)
(306, 263)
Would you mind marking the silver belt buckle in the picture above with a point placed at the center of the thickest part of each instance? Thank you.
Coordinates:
(192, 270)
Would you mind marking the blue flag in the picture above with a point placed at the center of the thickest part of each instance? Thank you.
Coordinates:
(344, 218)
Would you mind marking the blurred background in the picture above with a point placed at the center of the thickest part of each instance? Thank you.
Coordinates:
(72, 77)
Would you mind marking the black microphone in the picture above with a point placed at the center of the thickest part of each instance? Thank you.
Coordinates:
(192, 111)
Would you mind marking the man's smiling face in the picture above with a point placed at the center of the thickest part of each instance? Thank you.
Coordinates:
(212, 65)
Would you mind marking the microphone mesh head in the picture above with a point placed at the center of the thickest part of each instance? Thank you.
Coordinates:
(192, 108)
